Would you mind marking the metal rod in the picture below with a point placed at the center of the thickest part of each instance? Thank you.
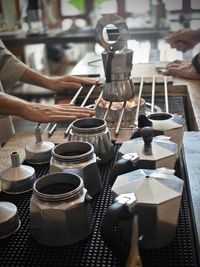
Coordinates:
(166, 95)
(52, 130)
(120, 119)
(153, 95)
(71, 103)
(88, 95)
(98, 100)
(67, 130)
(82, 105)
(76, 95)
(107, 110)
(138, 104)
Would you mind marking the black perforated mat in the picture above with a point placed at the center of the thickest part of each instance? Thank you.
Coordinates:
(22, 250)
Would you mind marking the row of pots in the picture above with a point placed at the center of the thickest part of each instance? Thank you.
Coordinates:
(78, 158)
(144, 185)
(74, 177)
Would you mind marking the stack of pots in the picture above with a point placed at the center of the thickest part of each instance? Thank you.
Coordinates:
(145, 169)
(60, 212)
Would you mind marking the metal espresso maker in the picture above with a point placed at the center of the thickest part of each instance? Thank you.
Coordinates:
(112, 33)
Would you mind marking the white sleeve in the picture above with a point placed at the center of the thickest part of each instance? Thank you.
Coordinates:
(11, 69)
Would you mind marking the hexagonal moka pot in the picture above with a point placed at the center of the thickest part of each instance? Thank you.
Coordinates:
(158, 198)
(96, 132)
(117, 59)
(171, 125)
(59, 212)
(146, 152)
(77, 157)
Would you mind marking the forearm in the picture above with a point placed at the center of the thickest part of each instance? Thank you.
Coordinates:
(10, 105)
(56, 84)
(32, 77)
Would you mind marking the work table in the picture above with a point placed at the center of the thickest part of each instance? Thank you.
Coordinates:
(191, 148)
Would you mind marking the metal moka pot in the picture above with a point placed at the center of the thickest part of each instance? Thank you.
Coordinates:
(18, 178)
(38, 152)
(9, 221)
(118, 85)
(158, 193)
(94, 131)
(145, 152)
(79, 158)
(167, 124)
(117, 59)
(59, 212)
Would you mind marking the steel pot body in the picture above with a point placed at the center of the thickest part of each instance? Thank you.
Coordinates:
(171, 125)
(145, 152)
(94, 131)
(59, 214)
(158, 193)
(79, 158)
(9, 220)
(118, 85)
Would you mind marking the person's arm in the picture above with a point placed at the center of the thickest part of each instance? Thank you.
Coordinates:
(184, 40)
(10, 105)
(184, 69)
(13, 70)
(57, 84)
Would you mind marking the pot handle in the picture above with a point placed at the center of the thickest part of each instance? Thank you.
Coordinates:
(109, 67)
(143, 121)
(127, 163)
(122, 209)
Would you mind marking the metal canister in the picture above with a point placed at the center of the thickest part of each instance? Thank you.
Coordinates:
(59, 214)
(79, 158)
(96, 132)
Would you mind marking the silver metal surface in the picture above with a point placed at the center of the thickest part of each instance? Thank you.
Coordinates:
(59, 214)
(120, 24)
(158, 193)
(73, 102)
(94, 131)
(121, 87)
(166, 95)
(171, 125)
(153, 95)
(17, 178)
(88, 95)
(138, 105)
(117, 59)
(9, 221)
(160, 153)
(38, 152)
(52, 130)
(120, 118)
(77, 157)
(107, 110)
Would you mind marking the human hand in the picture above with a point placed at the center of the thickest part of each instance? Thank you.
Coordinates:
(60, 84)
(182, 69)
(51, 113)
(183, 40)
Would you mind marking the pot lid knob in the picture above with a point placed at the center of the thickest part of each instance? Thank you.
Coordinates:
(147, 135)
(38, 134)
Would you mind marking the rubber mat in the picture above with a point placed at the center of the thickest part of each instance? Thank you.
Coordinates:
(21, 249)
